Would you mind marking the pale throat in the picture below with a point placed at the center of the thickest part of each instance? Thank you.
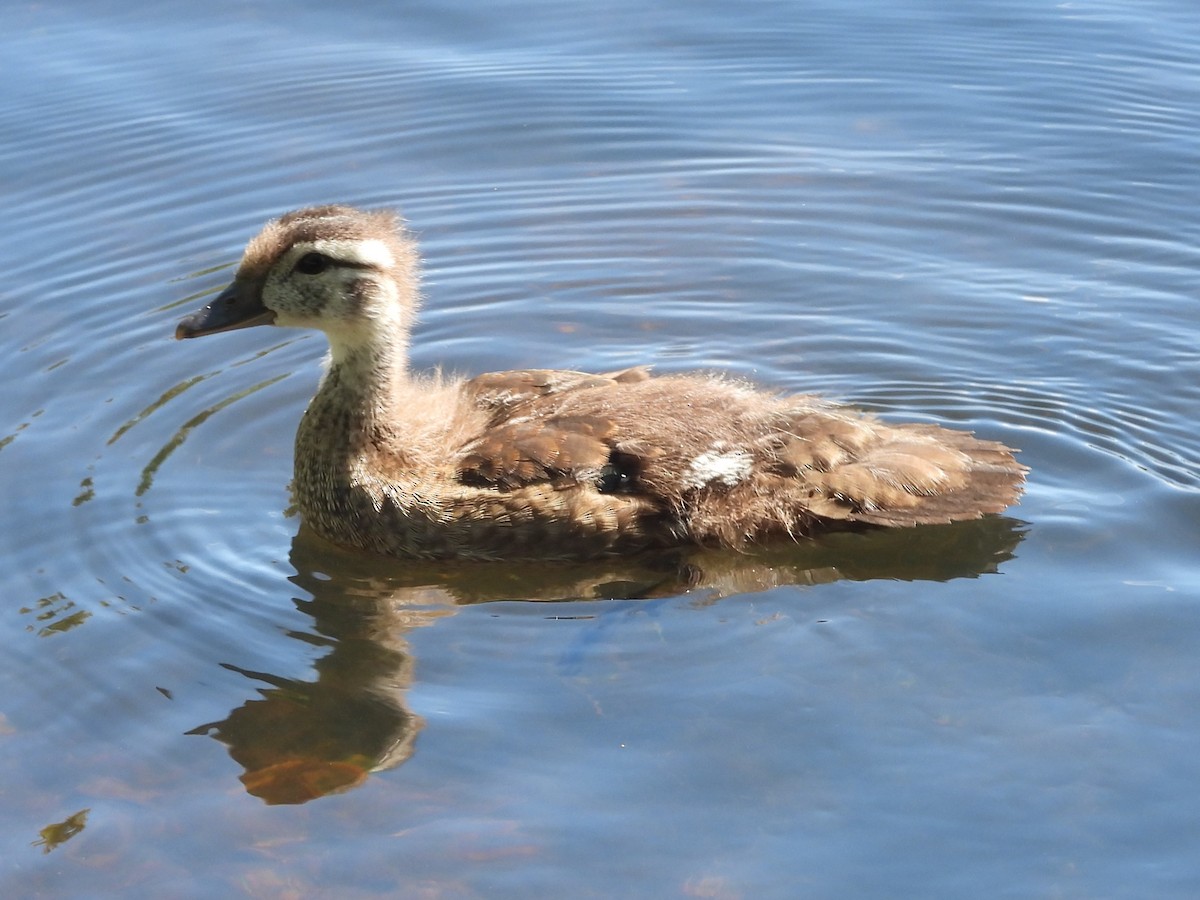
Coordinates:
(367, 368)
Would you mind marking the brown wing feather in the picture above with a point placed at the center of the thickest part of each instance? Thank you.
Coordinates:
(532, 450)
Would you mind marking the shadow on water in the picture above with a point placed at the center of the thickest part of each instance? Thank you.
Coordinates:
(299, 740)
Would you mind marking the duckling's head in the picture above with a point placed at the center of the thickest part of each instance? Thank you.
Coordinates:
(349, 272)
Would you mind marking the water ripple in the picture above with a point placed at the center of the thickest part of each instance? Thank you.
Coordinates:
(1150, 439)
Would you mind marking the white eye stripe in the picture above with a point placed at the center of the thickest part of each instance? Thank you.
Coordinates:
(370, 252)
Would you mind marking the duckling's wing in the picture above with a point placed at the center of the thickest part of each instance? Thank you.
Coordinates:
(528, 439)
(529, 450)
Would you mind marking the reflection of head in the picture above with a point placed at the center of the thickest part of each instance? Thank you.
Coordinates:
(303, 740)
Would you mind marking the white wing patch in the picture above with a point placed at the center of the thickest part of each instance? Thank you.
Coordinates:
(726, 467)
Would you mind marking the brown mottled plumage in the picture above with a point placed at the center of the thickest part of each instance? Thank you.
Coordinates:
(557, 464)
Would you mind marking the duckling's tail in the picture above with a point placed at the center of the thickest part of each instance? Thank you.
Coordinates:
(861, 470)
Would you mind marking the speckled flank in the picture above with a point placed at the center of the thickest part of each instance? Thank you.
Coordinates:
(560, 464)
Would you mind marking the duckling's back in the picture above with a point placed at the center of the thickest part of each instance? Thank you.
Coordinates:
(714, 461)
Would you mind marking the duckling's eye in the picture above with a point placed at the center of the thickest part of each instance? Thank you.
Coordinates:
(312, 264)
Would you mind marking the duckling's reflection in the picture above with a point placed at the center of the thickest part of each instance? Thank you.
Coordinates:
(304, 739)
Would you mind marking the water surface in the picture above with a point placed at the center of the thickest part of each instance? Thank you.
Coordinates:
(982, 216)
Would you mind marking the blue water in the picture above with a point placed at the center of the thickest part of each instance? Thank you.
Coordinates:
(981, 214)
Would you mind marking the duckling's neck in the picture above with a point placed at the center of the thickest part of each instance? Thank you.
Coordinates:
(364, 386)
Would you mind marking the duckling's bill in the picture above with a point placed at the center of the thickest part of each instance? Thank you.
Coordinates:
(238, 306)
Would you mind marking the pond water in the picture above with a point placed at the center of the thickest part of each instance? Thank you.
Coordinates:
(980, 214)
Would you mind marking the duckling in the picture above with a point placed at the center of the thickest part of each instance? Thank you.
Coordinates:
(552, 464)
